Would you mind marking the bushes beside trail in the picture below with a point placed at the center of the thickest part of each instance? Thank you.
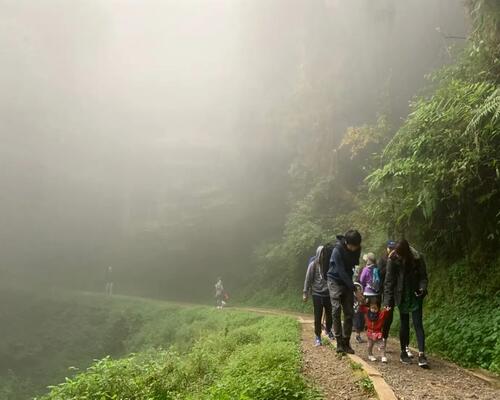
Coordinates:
(225, 355)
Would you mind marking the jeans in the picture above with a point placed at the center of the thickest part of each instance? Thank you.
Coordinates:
(404, 331)
(359, 322)
(342, 299)
(321, 303)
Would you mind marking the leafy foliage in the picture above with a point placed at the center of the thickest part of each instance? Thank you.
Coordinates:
(441, 176)
(244, 356)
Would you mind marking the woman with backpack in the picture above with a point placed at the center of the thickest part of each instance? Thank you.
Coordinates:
(405, 287)
(316, 283)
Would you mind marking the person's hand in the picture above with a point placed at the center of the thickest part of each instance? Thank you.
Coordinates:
(359, 296)
(388, 308)
(304, 298)
(419, 292)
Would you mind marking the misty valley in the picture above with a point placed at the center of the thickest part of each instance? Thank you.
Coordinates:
(249, 199)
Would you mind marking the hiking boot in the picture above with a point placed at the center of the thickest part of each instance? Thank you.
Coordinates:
(331, 336)
(347, 347)
(340, 345)
(410, 354)
(358, 339)
(317, 341)
(404, 358)
(422, 361)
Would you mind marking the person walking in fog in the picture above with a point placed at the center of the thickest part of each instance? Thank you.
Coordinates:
(344, 257)
(109, 281)
(316, 283)
(219, 294)
(405, 287)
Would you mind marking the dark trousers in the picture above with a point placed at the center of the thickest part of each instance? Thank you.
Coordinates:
(321, 303)
(359, 322)
(342, 300)
(404, 331)
(387, 324)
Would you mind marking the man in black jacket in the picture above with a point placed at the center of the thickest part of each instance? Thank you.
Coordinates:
(344, 257)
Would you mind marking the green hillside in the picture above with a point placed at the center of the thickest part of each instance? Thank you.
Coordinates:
(145, 349)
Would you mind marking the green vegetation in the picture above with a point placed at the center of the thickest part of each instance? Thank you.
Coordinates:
(435, 180)
(366, 385)
(160, 351)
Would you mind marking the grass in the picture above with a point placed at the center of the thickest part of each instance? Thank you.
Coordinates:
(366, 385)
(163, 351)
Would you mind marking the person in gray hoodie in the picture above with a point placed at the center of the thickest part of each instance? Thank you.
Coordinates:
(316, 283)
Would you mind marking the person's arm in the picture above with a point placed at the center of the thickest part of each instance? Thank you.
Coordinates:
(390, 281)
(363, 309)
(308, 281)
(424, 280)
(339, 264)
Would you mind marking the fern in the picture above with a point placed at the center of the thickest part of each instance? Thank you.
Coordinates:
(490, 106)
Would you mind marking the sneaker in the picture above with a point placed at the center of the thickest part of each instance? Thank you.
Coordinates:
(358, 339)
(410, 354)
(317, 341)
(422, 361)
(405, 358)
(384, 359)
(331, 336)
(372, 358)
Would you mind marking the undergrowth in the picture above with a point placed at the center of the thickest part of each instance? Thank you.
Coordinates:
(195, 353)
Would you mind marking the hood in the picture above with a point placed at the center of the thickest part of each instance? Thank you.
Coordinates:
(340, 240)
(318, 252)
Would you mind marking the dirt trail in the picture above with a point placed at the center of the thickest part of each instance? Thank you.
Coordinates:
(325, 370)
(443, 381)
(409, 382)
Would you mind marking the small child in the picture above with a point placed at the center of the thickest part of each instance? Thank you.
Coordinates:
(374, 321)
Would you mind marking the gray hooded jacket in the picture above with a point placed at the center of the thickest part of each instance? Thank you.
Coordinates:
(315, 281)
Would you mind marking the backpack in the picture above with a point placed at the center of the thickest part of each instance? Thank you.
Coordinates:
(375, 282)
(324, 261)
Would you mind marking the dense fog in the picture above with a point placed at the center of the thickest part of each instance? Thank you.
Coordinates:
(157, 137)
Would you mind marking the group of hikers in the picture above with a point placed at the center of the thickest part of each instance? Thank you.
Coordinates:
(367, 297)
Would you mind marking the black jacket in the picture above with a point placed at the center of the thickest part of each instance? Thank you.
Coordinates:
(396, 274)
(342, 263)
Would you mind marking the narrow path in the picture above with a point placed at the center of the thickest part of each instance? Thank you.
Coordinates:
(409, 382)
(443, 381)
(331, 373)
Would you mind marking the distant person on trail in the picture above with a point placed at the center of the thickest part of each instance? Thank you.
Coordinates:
(219, 294)
(405, 287)
(344, 257)
(109, 281)
(382, 264)
(374, 321)
(316, 283)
